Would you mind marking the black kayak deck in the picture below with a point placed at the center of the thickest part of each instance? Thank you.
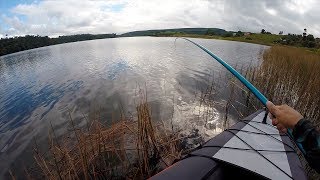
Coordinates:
(248, 149)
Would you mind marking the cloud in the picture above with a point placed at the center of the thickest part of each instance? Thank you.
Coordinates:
(62, 17)
(290, 16)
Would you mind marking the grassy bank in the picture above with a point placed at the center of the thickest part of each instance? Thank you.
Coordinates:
(264, 39)
(256, 38)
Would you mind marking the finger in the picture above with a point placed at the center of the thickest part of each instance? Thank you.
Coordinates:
(272, 108)
(284, 130)
(280, 127)
(274, 122)
(270, 116)
(283, 106)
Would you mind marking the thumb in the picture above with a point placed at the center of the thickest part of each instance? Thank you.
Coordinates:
(272, 108)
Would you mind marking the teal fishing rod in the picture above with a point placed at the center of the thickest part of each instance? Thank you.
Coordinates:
(244, 81)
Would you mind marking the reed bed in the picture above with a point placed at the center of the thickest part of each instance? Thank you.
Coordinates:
(130, 148)
(290, 76)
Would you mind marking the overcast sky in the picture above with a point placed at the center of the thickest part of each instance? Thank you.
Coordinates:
(62, 17)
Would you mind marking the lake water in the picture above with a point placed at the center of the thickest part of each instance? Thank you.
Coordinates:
(39, 87)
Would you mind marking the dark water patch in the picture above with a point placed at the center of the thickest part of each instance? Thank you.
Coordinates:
(16, 111)
(116, 69)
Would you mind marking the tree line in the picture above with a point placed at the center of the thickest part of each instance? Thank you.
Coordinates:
(300, 40)
(21, 43)
(303, 40)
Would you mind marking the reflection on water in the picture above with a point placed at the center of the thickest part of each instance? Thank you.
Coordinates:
(19, 105)
(41, 86)
(116, 69)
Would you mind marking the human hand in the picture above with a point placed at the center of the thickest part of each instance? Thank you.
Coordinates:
(283, 116)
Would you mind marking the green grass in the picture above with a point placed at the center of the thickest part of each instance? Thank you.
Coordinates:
(264, 39)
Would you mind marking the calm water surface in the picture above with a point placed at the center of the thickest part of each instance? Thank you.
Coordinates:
(40, 86)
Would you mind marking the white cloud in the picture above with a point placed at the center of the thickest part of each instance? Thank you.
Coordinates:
(59, 17)
(299, 6)
(271, 11)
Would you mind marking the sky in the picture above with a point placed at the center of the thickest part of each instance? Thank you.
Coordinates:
(64, 17)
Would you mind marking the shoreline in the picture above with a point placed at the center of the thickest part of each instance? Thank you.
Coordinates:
(239, 39)
(234, 38)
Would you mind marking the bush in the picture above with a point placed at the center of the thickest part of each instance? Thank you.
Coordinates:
(227, 35)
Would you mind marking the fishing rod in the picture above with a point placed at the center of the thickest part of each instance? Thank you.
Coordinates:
(244, 81)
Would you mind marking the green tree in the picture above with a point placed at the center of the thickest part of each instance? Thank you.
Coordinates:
(239, 33)
(310, 38)
(210, 32)
(15, 44)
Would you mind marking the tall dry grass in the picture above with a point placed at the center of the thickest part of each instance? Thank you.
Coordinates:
(131, 148)
(290, 76)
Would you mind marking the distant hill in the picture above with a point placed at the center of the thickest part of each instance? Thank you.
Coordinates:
(200, 31)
